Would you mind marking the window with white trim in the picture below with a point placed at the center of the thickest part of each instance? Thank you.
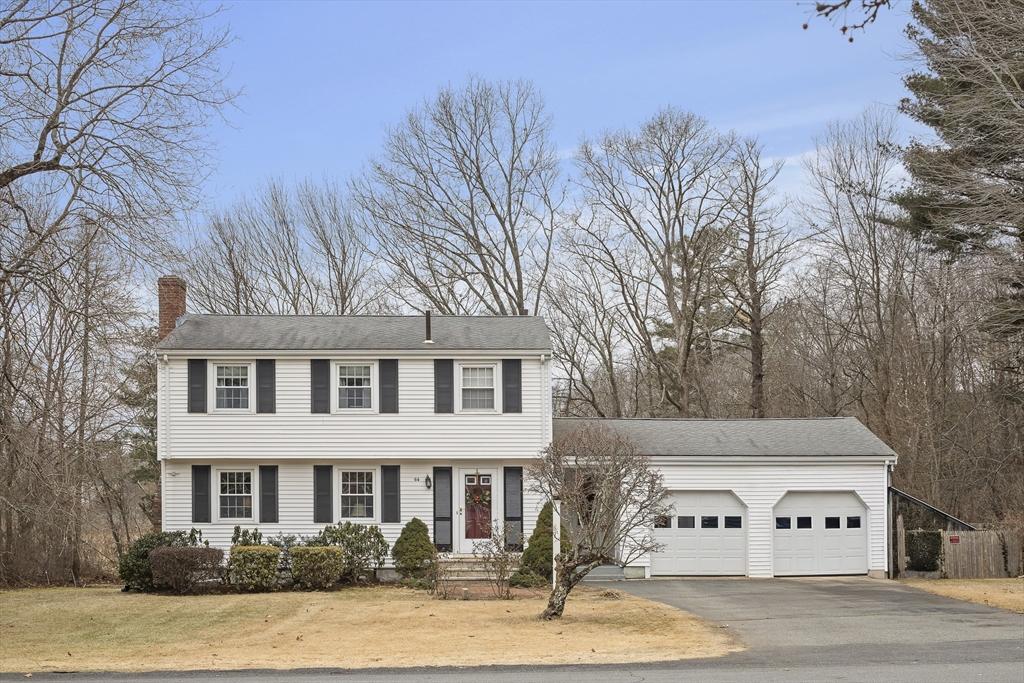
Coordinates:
(477, 387)
(355, 386)
(357, 494)
(232, 387)
(235, 497)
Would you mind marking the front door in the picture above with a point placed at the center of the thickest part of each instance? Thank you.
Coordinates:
(476, 507)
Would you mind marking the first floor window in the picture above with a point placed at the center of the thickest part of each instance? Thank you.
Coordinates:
(357, 494)
(478, 387)
(232, 390)
(355, 386)
(236, 495)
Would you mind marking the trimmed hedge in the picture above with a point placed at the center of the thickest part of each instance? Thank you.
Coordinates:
(253, 567)
(133, 566)
(317, 567)
(924, 550)
(413, 553)
(181, 569)
(365, 548)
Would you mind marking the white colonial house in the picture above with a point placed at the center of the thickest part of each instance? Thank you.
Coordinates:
(288, 423)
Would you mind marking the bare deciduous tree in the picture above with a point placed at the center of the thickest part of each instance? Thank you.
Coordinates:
(102, 109)
(660, 195)
(465, 201)
(610, 498)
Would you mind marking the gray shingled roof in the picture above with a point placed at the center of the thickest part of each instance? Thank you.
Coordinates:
(828, 436)
(369, 332)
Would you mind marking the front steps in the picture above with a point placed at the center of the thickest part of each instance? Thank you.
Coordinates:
(460, 567)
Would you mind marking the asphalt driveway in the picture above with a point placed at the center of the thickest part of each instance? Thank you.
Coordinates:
(845, 621)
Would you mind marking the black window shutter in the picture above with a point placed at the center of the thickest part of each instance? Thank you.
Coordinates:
(512, 385)
(323, 497)
(200, 494)
(390, 494)
(320, 386)
(444, 389)
(388, 372)
(514, 508)
(443, 508)
(196, 385)
(266, 386)
(268, 493)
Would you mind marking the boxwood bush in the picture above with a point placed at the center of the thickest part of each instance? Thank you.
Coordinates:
(134, 567)
(182, 569)
(317, 567)
(253, 567)
(413, 553)
(364, 548)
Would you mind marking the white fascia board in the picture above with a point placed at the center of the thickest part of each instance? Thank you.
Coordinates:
(772, 459)
(353, 353)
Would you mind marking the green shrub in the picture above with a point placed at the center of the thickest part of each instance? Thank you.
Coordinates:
(924, 550)
(181, 569)
(242, 536)
(284, 543)
(317, 567)
(414, 554)
(525, 579)
(253, 567)
(133, 566)
(536, 559)
(364, 548)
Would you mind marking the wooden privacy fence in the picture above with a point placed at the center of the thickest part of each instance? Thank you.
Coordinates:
(980, 554)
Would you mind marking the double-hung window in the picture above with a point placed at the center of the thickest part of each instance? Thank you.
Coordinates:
(231, 391)
(355, 386)
(357, 494)
(477, 387)
(235, 488)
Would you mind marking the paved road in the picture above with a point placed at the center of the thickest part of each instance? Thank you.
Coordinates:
(801, 630)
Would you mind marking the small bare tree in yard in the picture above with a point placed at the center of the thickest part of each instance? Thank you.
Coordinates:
(610, 499)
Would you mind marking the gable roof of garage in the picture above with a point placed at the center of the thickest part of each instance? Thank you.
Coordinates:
(826, 436)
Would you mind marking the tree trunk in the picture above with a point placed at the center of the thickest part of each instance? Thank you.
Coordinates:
(567, 578)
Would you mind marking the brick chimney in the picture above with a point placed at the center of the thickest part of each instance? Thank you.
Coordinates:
(171, 296)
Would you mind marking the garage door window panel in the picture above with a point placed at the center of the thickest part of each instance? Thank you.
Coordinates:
(831, 522)
(663, 523)
(783, 523)
(685, 522)
(853, 522)
(708, 522)
(804, 523)
(733, 522)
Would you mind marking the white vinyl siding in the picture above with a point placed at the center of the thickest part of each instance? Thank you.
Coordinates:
(416, 431)
(761, 486)
(295, 498)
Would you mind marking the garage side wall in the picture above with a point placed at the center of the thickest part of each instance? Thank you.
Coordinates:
(761, 486)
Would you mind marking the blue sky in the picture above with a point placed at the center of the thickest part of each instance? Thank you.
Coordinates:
(323, 81)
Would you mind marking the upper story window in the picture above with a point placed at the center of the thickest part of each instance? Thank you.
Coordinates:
(231, 391)
(355, 385)
(477, 387)
(235, 494)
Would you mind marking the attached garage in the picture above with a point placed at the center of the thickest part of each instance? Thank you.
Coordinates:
(705, 534)
(820, 533)
(762, 497)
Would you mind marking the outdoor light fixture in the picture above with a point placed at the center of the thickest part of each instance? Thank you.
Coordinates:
(427, 482)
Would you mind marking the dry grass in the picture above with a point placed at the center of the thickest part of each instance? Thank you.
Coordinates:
(1004, 593)
(102, 629)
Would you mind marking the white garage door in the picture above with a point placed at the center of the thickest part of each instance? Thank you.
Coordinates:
(705, 534)
(820, 533)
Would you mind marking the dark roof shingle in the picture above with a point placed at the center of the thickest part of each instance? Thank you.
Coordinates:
(364, 333)
(828, 436)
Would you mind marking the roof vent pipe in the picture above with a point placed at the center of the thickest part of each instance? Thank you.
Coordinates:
(427, 339)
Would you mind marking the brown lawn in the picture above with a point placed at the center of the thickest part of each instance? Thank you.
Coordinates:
(1004, 593)
(102, 629)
